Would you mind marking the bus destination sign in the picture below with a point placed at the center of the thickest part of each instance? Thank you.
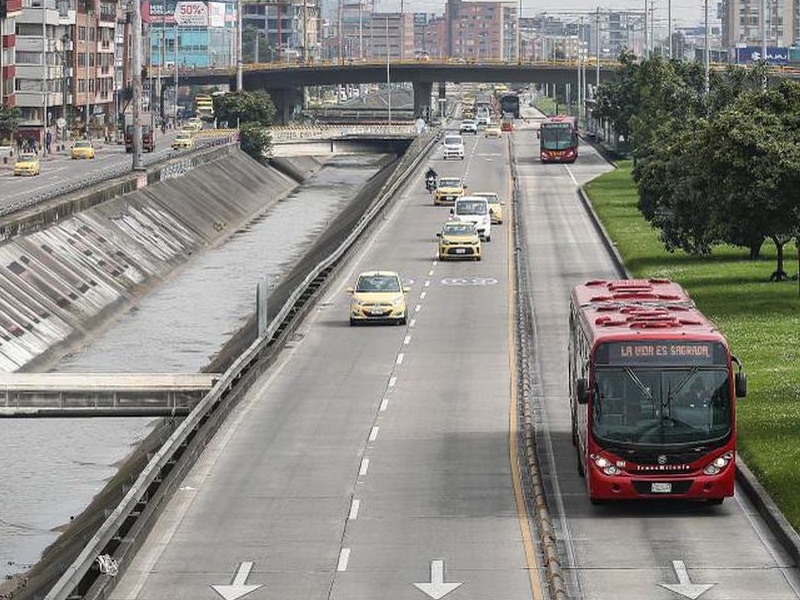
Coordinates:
(663, 352)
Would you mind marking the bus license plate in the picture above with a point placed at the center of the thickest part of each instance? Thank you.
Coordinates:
(661, 488)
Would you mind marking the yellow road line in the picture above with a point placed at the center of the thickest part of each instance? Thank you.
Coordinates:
(534, 572)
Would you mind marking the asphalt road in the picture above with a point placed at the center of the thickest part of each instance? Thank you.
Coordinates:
(59, 171)
(622, 551)
(373, 460)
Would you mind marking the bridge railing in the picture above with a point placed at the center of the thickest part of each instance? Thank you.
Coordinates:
(289, 133)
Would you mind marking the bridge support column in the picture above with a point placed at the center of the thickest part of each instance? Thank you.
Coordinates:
(285, 100)
(422, 99)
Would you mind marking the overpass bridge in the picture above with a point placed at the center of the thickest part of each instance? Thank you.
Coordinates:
(285, 82)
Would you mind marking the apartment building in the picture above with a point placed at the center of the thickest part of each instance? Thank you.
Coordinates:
(742, 23)
(287, 30)
(481, 31)
(9, 11)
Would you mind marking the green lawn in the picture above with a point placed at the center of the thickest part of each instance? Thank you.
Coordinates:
(760, 319)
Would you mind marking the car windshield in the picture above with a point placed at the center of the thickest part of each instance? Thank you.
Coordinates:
(661, 406)
(452, 140)
(449, 182)
(468, 122)
(27, 157)
(82, 144)
(378, 283)
(459, 228)
(471, 207)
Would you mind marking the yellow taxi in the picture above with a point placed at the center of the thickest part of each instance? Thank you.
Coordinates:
(82, 149)
(378, 296)
(27, 164)
(492, 131)
(495, 206)
(183, 140)
(447, 190)
(459, 239)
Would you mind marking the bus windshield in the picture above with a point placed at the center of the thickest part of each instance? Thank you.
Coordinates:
(558, 137)
(655, 407)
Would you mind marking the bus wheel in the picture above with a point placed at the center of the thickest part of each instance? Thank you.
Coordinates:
(715, 501)
(579, 461)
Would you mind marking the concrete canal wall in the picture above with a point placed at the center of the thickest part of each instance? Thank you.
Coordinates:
(68, 265)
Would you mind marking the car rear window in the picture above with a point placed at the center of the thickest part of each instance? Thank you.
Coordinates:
(453, 140)
(471, 207)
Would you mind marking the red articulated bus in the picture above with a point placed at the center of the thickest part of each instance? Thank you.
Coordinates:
(558, 139)
(652, 393)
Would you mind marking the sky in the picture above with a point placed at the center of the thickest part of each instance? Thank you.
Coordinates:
(684, 12)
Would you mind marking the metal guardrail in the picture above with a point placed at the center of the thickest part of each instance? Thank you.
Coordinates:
(162, 467)
(93, 179)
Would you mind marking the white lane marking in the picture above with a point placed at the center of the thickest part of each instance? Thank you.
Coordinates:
(392, 381)
(384, 404)
(418, 308)
(364, 466)
(373, 434)
(344, 556)
(399, 360)
(430, 273)
(412, 322)
(406, 340)
(354, 506)
(422, 295)
(571, 176)
(427, 283)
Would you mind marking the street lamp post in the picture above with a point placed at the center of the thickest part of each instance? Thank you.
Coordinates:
(388, 77)
(88, 71)
(45, 74)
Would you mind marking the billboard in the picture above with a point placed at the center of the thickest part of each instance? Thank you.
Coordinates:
(191, 14)
(420, 19)
(775, 55)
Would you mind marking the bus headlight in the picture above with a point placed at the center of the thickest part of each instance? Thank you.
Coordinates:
(718, 464)
(605, 465)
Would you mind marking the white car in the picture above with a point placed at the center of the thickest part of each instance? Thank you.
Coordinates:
(453, 146)
(468, 126)
(474, 209)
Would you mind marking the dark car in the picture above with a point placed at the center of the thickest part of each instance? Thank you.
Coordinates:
(148, 141)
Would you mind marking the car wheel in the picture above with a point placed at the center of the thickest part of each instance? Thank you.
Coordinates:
(353, 323)
(488, 238)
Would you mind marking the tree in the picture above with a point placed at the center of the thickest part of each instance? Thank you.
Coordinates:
(255, 141)
(752, 155)
(9, 121)
(254, 112)
(245, 107)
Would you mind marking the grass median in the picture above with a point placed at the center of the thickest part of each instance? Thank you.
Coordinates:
(761, 320)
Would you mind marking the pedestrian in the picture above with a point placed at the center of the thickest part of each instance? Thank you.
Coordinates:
(48, 139)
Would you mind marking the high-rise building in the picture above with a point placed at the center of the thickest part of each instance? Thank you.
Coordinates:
(9, 11)
(742, 23)
(481, 31)
(286, 30)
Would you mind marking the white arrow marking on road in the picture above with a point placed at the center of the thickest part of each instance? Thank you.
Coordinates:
(685, 587)
(238, 588)
(437, 588)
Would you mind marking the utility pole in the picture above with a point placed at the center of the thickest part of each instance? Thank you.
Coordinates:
(669, 26)
(706, 64)
(645, 28)
(45, 77)
(519, 32)
(305, 32)
(136, 49)
(764, 30)
(239, 45)
(88, 70)
(175, 72)
(340, 33)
